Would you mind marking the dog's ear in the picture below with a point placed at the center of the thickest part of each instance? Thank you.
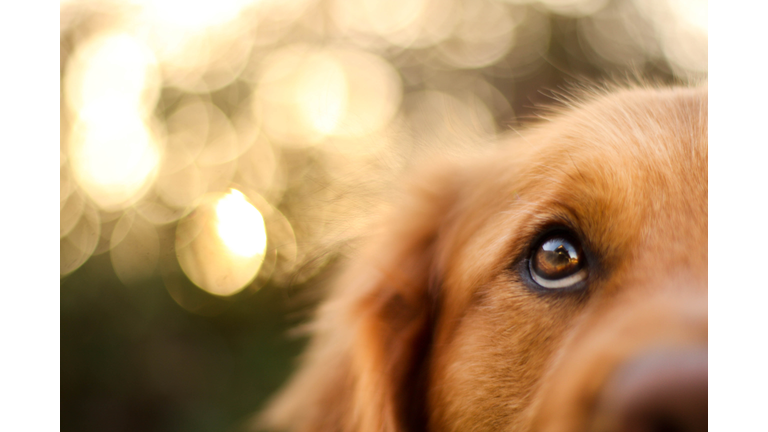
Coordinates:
(363, 370)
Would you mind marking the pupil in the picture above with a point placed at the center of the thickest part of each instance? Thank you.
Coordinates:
(562, 254)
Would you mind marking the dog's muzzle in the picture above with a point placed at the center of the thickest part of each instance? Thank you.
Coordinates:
(662, 391)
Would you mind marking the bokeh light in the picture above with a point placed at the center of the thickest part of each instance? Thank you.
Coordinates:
(114, 158)
(302, 95)
(194, 16)
(577, 8)
(312, 105)
(221, 245)
(134, 248)
(112, 86)
(79, 240)
(393, 21)
(482, 35)
(109, 71)
(240, 226)
(452, 122)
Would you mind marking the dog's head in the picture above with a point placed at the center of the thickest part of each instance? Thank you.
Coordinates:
(556, 284)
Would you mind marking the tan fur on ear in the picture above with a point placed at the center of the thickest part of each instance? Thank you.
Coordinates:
(369, 341)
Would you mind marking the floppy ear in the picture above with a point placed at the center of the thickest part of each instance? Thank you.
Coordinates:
(363, 370)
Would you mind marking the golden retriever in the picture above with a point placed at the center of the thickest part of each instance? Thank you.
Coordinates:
(558, 283)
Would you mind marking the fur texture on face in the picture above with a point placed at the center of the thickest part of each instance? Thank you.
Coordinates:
(439, 326)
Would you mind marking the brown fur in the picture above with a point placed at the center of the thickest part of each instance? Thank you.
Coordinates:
(432, 328)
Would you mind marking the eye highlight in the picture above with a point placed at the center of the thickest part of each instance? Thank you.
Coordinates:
(558, 262)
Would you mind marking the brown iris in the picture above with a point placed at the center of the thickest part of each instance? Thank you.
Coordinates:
(558, 262)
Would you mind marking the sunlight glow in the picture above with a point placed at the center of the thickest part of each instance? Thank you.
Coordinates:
(321, 93)
(112, 86)
(396, 20)
(305, 97)
(692, 12)
(240, 225)
(575, 7)
(221, 246)
(113, 158)
(194, 15)
(114, 70)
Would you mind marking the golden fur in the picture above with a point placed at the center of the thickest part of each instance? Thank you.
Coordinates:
(433, 328)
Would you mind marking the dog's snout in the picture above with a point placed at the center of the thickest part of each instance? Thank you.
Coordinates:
(657, 392)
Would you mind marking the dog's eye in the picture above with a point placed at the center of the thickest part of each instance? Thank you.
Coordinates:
(558, 262)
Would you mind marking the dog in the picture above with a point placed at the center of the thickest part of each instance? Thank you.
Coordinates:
(557, 283)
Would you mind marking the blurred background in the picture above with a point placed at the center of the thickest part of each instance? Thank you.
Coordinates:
(219, 158)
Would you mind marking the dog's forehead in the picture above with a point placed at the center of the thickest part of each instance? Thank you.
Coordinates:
(629, 171)
(638, 159)
(641, 154)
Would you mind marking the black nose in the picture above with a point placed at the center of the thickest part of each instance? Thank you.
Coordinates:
(657, 392)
